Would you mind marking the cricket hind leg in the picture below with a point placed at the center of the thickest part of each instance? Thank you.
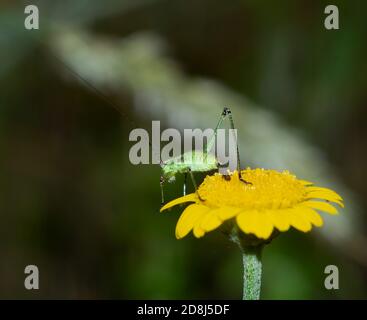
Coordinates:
(195, 185)
(208, 146)
(227, 112)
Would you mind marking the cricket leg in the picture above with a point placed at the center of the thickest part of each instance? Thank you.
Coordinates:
(162, 192)
(227, 112)
(195, 185)
(208, 146)
(184, 185)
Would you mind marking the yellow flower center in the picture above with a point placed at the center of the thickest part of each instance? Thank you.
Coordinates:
(266, 189)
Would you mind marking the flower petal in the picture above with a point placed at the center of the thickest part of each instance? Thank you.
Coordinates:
(255, 222)
(324, 193)
(198, 231)
(225, 213)
(279, 218)
(306, 183)
(310, 215)
(192, 197)
(210, 222)
(325, 190)
(188, 219)
(324, 196)
(319, 205)
(298, 221)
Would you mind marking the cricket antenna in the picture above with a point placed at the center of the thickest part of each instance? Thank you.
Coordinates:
(101, 95)
(92, 87)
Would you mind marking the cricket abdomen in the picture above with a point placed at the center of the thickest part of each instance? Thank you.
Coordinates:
(199, 161)
(196, 161)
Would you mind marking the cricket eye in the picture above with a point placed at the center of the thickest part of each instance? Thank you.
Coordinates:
(226, 111)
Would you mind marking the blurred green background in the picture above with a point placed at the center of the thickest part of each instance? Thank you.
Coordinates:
(71, 202)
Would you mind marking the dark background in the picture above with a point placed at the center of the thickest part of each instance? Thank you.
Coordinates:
(71, 202)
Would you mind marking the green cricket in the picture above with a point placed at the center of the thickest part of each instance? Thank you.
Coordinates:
(187, 163)
(197, 161)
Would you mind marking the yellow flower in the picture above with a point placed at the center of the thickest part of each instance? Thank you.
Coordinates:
(271, 200)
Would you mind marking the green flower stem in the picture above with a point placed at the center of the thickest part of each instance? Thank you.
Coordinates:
(252, 266)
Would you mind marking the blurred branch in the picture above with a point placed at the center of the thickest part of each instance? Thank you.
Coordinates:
(161, 90)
